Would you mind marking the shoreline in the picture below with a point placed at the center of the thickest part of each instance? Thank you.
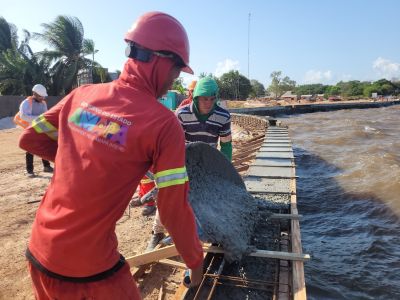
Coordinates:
(294, 109)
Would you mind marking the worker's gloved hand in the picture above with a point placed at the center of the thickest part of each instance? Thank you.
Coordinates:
(193, 277)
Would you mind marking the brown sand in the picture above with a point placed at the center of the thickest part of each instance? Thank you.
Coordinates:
(17, 214)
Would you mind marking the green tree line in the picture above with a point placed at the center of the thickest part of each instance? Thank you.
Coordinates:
(234, 85)
(351, 89)
(56, 67)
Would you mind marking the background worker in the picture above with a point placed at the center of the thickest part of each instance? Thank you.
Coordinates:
(30, 109)
(189, 99)
(202, 121)
(146, 185)
(103, 138)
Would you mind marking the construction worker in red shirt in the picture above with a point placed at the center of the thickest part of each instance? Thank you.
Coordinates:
(146, 185)
(189, 99)
(103, 138)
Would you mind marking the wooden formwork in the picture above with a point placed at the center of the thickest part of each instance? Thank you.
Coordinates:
(291, 282)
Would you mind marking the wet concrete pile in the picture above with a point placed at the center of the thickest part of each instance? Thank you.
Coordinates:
(226, 213)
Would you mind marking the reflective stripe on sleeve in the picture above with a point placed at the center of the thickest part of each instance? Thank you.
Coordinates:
(171, 177)
(145, 181)
(41, 125)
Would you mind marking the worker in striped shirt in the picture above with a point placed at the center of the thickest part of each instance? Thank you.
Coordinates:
(203, 120)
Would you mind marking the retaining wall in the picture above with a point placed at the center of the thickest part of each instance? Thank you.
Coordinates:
(308, 108)
(249, 122)
(9, 105)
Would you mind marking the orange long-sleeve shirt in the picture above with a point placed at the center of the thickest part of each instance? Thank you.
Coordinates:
(103, 139)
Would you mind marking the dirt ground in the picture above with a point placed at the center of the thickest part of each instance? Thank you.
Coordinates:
(19, 199)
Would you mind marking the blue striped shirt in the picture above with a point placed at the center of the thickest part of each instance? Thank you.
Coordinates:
(217, 125)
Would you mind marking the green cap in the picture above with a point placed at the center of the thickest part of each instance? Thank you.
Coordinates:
(206, 87)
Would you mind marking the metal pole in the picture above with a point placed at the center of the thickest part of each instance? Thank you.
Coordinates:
(94, 51)
(248, 49)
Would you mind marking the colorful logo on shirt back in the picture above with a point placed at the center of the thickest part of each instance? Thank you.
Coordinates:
(101, 127)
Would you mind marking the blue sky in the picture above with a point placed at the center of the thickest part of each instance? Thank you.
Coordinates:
(311, 41)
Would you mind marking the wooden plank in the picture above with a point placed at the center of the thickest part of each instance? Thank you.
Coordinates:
(278, 135)
(269, 172)
(286, 216)
(271, 176)
(275, 149)
(173, 263)
(274, 155)
(262, 192)
(298, 280)
(138, 272)
(273, 162)
(265, 254)
(169, 251)
(274, 142)
(284, 145)
(152, 256)
(161, 293)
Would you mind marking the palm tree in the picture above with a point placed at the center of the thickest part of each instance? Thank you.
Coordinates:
(8, 35)
(20, 68)
(66, 38)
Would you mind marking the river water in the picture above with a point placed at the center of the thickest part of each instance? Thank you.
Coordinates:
(348, 163)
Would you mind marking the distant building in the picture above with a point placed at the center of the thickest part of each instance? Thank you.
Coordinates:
(306, 97)
(289, 96)
(113, 75)
(84, 77)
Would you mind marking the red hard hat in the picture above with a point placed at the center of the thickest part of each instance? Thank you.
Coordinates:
(158, 31)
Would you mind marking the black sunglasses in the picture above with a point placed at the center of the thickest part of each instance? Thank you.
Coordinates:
(145, 55)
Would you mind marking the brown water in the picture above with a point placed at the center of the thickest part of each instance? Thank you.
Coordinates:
(348, 163)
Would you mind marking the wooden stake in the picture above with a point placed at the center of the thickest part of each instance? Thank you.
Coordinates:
(171, 251)
(266, 254)
(152, 256)
(286, 216)
(161, 293)
(173, 263)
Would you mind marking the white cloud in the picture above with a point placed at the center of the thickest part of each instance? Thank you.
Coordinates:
(313, 76)
(386, 68)
(226, 66)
